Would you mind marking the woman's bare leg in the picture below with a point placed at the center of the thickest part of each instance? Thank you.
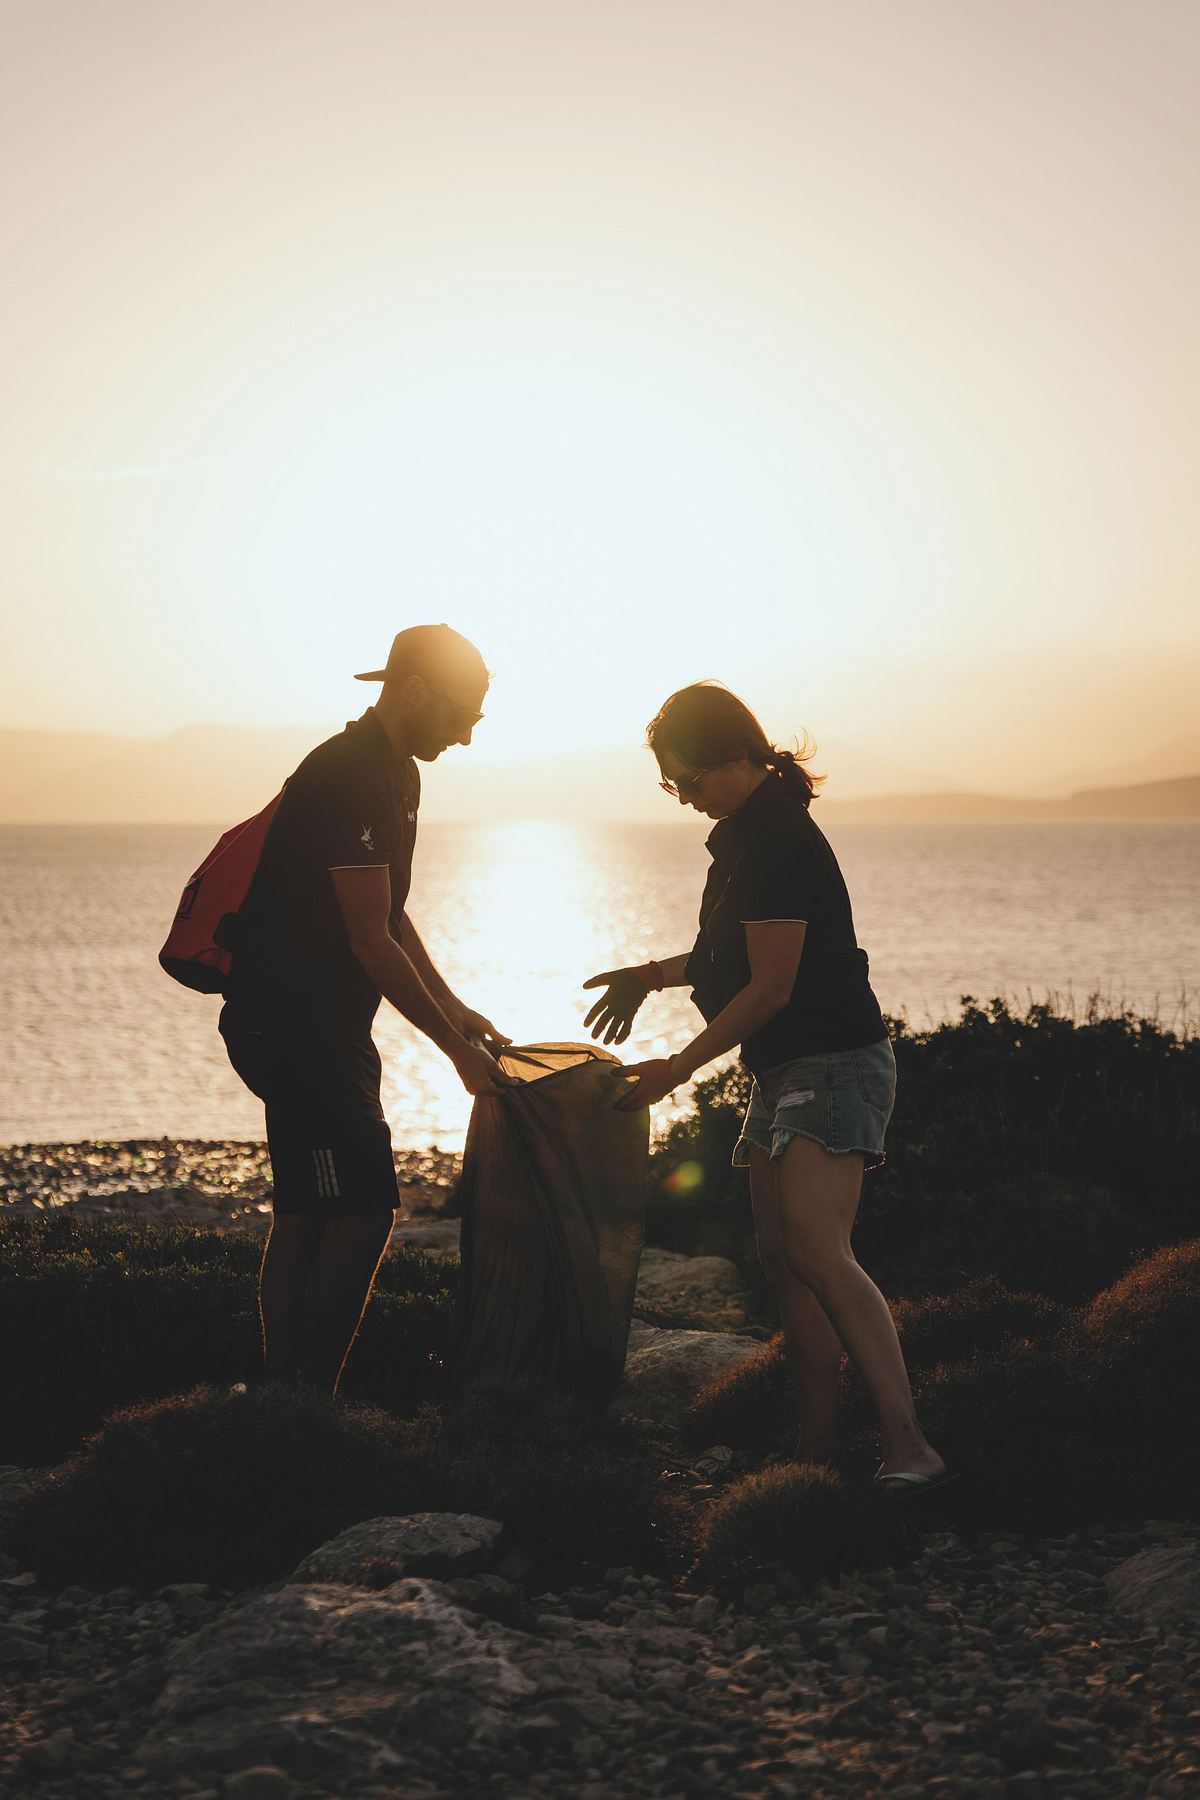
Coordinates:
(812, 1347)
(818, 1195)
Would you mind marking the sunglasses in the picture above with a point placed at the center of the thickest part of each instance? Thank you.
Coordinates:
(687, 784)
(462, 716)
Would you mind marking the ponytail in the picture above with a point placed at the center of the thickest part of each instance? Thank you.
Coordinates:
(798, 781)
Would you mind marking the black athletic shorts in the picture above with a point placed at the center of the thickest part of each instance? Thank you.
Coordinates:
(330, 1145)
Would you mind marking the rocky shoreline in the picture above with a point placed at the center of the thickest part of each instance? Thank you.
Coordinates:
(986, 1667)
(221, 1185)
(989, 1665)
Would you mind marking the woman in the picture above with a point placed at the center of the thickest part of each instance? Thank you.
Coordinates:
(776, 969)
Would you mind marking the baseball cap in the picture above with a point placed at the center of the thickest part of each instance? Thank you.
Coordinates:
(430, 650)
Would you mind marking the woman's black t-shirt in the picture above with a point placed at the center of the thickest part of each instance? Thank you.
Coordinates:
(772, 862)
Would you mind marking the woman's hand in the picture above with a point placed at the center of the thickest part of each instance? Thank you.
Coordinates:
(654, 1081)
(615, 1011)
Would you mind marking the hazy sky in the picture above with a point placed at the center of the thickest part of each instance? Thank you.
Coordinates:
(845, 351)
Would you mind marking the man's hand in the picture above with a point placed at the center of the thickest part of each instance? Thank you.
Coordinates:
(615, 1009)
(654, 1082)
(475, 1028)
(481, 1074)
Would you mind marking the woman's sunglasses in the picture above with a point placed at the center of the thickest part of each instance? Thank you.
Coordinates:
(687, 784)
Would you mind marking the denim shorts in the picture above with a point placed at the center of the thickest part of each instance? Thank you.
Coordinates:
(842, 1100)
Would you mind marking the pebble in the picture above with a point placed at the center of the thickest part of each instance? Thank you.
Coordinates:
(987, 1667)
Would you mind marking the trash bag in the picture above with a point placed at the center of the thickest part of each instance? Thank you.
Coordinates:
(553, 1221)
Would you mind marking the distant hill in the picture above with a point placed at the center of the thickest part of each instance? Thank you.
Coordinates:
(220, 773)
(1177, 799)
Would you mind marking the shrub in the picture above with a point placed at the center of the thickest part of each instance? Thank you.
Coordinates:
(572, 1486)
(138, 1311)
(754, 1407)
(1151, 1316)
(978, 1317)
(798, 1522)
(697, 1202)
(1138, 1345)
(1090, 1423)
(1015, 1425)
(235, 1488)
(211, 1486)
(751, 1407)
(1045, 1151)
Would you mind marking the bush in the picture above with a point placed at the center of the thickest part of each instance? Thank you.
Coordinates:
(1138, 1344)
(209, 1486)
(141, 1311)
(1015, 1425)
(1151, 1317)
(572, 1486)
(697, 1202)
(752, 1407)
(981, 1316)
(1047, 1152)
(797, 1524)
(234, 1489)
(1089, 1423)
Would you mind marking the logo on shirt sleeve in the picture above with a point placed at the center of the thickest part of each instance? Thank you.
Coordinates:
(366, 838)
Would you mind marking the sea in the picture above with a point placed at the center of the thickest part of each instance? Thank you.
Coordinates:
(97, 1042)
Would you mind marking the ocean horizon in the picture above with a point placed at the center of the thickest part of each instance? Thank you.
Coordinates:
(99, 1043)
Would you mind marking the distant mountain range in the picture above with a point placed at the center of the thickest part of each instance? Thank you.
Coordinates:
(219, 774)
(1178, 799)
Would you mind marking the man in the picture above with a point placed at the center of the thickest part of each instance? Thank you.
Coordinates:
(323, 937)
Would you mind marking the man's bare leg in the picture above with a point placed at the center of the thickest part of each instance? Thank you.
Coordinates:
(339, 1286)
(292, 1248)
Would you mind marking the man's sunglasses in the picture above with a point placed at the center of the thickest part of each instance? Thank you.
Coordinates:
(687, 784)
(462, 716)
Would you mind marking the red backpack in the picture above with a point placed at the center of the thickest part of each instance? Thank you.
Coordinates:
(199, 947)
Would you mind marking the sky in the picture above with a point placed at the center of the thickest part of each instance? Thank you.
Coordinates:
(847, 353)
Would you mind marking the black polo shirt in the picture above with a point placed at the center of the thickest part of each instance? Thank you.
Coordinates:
(352, 803)
(771, 861)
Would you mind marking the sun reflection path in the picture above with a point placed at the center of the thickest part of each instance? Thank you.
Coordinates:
(516, 927)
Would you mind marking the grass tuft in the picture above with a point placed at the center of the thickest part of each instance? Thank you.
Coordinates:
(795, 1525)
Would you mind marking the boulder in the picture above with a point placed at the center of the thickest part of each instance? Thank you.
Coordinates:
(665, 1370)
(427, 1543)
(706, 1288)
(1160, 1583)
(332, 1686)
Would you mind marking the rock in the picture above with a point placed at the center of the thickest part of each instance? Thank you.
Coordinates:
(323, 1682)
(1162, 1582)
(904, 1593)
(265, 1782)
(418, 1544)
(708, 1288)
(714, 1461)
(665, 1370)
